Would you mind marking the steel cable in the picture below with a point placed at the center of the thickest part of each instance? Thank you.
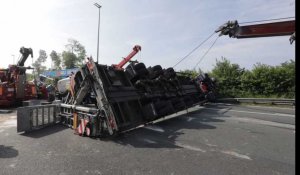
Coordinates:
(206, 52)
(193, 50)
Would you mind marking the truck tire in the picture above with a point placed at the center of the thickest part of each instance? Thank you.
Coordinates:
(157, 68)
(139, 66)
(169, 73)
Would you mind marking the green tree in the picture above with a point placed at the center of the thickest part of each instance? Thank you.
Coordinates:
(70, 59)
(274, 81)
(262, 81)
(74, 54)
(39, 68)
(288, 75)
(247, 82)
(29, 77)
(56, 60)
(228, 77)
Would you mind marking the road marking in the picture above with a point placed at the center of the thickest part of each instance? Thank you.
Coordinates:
(232, 153)
(250, 112)
(293, 109)
(286, 115)
(235, 154)
(190, 119)
(154, 128)
(189, 147)
(12, 165)
(211, 145)
(226, 104)
(149, 141)
(263, 122)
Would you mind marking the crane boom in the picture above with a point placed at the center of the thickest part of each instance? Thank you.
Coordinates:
(265, 30)
(25, 53)
(135, 50)
(281, 28)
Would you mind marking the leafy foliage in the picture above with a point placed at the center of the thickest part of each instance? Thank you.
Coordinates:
(228, 77)
(70, 59)
(74, 54)
(262, 81)
(55, 57)
(191, 73)
(39, 68)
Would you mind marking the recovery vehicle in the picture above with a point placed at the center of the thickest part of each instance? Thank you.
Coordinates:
(13, 85)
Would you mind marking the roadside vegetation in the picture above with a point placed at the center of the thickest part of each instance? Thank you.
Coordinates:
(262, 81)
(71, 57)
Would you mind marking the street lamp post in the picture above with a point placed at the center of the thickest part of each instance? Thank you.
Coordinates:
(13, 58)
(98, 6)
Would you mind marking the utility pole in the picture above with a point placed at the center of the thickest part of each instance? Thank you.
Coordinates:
(98, 6)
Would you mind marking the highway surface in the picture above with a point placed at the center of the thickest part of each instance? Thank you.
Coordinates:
(214, 139)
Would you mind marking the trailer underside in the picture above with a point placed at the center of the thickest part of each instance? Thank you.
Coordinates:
(106, 101)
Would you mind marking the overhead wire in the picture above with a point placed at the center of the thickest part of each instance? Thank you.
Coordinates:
(183, 58)
(206, 52)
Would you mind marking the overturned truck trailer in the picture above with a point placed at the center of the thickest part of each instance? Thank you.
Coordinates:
(105, 100)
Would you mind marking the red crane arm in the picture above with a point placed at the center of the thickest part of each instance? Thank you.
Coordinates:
(281, 28)
(265, 30)
(135, 50)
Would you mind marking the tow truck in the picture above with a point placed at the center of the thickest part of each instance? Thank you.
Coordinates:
(13, 85)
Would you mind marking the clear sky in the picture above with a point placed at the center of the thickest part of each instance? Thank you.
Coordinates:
(166, 29)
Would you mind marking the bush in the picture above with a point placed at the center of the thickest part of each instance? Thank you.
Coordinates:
(262, 81)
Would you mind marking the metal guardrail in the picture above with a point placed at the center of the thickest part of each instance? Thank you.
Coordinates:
(282, 101)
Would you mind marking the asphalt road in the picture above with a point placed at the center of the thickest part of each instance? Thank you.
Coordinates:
(215, 139)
